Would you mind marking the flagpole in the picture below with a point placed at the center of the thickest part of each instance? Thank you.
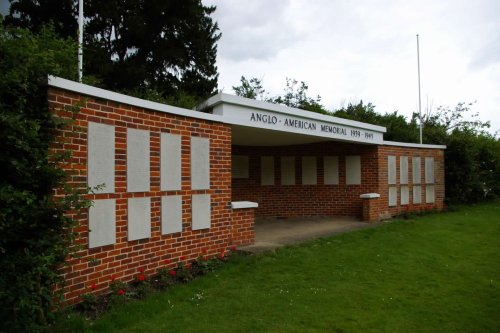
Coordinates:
(419, 97)
(80, 40)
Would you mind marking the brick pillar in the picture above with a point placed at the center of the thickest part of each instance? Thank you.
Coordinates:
(243, 222)
(370, 207)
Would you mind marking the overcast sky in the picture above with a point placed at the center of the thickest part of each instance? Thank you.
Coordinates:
(366, 49)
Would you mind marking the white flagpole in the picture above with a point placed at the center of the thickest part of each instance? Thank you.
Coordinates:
(419, 98)
(80, 40)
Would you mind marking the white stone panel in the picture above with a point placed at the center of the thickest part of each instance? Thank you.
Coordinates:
(391, 170)
(201, 211)
(416, 171)
(200, 163)
(139, 218)
(429, 170)
(267, 170)
(331, 170)
(239, 166)
(309, 170)
(403, 169)
(170, 162)
(393, 196)
(171, 214)
(101, 157)
(137, 160)
(102, 223)
(417, 195)
(429, 194)
(405, 195)
(287, 170)
(353, 170)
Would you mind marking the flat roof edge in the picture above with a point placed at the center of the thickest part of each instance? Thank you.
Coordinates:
(57, 82)
(267, 106)
(413, 145)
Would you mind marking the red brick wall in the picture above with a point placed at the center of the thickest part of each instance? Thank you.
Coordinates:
(383, 203)
(124, 258)
(331, 200)
(306, 200)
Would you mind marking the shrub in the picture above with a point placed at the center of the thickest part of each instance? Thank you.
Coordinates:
(34, 237)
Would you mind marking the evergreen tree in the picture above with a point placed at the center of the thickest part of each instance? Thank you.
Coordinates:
(136, 46)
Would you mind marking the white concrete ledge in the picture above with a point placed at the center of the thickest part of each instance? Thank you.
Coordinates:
(243, 204)
(413, 145)
(87, 90)
(369, 196)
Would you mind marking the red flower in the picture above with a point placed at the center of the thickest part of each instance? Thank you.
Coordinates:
(205, 258)
(221, 255)
(141, 277)
(172, 272)
(167, 262)
(93, 286)
(183, 258)
(232, 248)
(112, 278)
(120, 292)
(188, 266)
(141, 270)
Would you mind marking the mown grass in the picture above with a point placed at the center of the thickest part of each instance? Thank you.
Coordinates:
(437, 273)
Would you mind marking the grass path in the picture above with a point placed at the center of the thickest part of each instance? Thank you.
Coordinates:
(438, 273)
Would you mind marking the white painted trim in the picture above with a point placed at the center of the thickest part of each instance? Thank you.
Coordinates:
(369, 196)
(84, 89)
(413, 145)
(222, 98)
(243, 204)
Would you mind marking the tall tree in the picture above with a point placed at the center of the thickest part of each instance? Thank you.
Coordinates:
(138, 45)
(35, 14)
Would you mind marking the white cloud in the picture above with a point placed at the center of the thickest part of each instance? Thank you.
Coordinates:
(351, 50)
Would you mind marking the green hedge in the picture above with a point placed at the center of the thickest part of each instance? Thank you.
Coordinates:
(33, 241)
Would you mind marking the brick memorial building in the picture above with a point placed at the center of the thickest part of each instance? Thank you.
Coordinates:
(174, 183)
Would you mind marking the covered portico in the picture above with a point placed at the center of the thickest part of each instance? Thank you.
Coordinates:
(296, 163)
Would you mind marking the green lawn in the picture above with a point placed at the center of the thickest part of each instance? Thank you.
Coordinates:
(437, 273)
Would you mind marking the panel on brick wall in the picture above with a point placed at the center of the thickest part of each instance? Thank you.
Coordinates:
(287, 170)
(200, 163)
(391, 170)
(137, 160)
(403, 169)
(239, 166)
(139, 218)
(170, 162)
(101, 157)
(429, 170)
(417, 194)
(331, 170)
(416, 175)
(405, 195)
(353, 170)
(267, 170)
(309, 170)
(171, 214)
(393, 196)
(102, 223)
(201, 211)
(429, 194)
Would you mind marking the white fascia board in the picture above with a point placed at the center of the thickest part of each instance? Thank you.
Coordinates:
(87, 90)
(266, 106)
(413, 145)
(244, 204)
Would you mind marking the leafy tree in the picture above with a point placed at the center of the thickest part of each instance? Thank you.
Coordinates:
(34, 238)
(295, 95)
(252, 88)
